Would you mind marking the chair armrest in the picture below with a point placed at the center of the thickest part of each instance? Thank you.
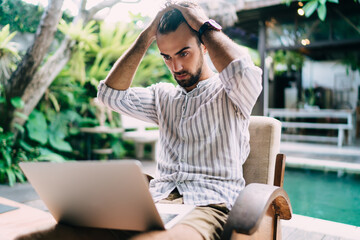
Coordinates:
(251, 206)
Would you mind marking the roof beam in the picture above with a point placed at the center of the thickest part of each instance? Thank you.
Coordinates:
(260, 4)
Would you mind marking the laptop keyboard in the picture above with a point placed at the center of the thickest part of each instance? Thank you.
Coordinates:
(167, 217)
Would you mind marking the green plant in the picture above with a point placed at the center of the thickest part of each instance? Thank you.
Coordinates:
(52, 130)
(292, 60)
(17, 103)
(24, 17)
(316, 5)
(113, 41)
(308, 95)
(85, 39)
(9, 169)
(352, 61)
(53, 133)
(8, 54)
(12, 152)
(10, 156)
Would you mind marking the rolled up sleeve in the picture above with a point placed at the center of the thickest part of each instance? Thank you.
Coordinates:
(242, 82)
(134, 102)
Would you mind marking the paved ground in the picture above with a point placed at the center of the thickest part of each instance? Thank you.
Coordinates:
(299, 227)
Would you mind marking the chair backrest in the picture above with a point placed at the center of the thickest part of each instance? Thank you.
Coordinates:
(265, 133)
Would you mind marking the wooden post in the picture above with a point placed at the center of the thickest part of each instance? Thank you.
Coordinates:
(259, 108)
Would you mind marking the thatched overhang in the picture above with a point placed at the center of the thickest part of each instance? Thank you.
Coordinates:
(225, 11)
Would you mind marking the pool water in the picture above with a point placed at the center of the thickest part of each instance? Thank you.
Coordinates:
(325, 195)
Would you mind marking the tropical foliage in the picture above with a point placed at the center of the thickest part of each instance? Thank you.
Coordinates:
(23, 17)
(8, 53)
(13, 152)
(52, 130)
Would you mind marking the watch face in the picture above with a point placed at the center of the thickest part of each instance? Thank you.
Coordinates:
(215, 25)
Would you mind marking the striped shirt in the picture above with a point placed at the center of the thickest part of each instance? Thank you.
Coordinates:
(204, 137)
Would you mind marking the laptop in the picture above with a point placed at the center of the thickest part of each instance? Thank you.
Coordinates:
(102, 194)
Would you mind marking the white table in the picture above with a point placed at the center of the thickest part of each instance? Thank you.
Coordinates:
(98, 130)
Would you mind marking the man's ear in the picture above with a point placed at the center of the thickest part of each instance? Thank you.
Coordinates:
(203, 49)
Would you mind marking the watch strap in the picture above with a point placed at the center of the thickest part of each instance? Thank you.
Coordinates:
(208, 25)
(202, 29)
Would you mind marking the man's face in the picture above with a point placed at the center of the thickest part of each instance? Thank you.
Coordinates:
(182, 55)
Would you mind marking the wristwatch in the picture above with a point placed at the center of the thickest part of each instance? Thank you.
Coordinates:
(209, 25)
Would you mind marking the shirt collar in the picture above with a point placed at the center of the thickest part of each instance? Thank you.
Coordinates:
(200, 85)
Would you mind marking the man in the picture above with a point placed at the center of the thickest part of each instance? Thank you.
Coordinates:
(203, 122)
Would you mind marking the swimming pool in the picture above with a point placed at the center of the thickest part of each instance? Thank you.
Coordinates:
(324, 195)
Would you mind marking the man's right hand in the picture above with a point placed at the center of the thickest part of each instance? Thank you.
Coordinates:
(123, 71)
(151, 30)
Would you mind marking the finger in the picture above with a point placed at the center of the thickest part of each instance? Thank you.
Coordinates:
(187, 4)
(165, 9)
(161, 13)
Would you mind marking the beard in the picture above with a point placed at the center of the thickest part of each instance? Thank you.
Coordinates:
(193, 78)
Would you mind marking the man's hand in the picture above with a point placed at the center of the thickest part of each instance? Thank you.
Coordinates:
(123, 71)
(193, 14)
(151, 30)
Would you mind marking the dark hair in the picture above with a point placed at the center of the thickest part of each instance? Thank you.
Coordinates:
(170, 21)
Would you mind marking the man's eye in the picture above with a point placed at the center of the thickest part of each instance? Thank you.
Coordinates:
(166, 57)
(184, 54)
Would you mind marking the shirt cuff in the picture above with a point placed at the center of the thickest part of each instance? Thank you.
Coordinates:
(105, 92)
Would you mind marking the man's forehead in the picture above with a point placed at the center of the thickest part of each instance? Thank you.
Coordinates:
(173, 42)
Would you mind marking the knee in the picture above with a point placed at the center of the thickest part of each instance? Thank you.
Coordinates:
(183, 231)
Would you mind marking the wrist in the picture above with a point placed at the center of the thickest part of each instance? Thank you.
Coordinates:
(208, 26)
(200, 23)
(146, 37)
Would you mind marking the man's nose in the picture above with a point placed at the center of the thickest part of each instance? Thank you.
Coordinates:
(177, 66)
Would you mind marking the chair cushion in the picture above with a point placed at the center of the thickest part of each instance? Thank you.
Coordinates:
(265, 133)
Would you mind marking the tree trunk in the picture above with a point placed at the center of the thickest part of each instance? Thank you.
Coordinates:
(43, 78)
(27, 68)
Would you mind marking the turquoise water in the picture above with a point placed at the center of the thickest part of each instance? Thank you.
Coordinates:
(324, 195)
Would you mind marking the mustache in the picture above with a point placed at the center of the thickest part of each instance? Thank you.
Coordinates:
(180, 73)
